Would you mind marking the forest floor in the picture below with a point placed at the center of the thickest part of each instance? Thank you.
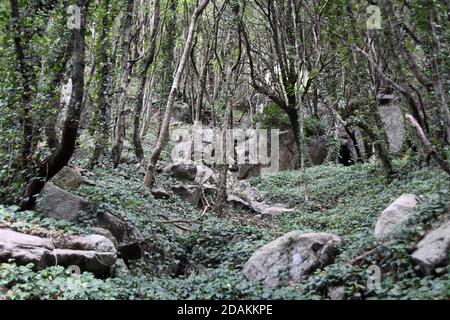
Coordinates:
(204, 261)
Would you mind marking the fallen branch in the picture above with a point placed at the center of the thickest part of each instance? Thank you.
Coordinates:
(429, 149)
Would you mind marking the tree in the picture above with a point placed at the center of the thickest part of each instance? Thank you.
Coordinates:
(164, 132)
(61, 156)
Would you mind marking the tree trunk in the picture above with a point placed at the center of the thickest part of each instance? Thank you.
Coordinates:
(124, 81)
(25, 72)
(61, 156)
(103, 94)
(171, 100)
(139, 152)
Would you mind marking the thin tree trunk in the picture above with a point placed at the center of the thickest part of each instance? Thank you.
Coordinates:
(25, 73)
(171, 100)
(429, 149)
(139, 152)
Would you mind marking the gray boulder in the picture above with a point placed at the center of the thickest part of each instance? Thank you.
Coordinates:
(60, 204)
(434, 250)
(183, 170)
(129, 238)
(395, 216)
(24, 248)
(291, 258)
(92, 253)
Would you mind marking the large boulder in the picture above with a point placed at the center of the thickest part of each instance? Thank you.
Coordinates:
(395, 216)
(434, 250)
(129, 238)
(93, 253)
(60, 204)
(183, 170)
(291, 258)
(68, 178)
(24, 249)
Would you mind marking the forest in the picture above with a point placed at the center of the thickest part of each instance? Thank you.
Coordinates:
(224, 150)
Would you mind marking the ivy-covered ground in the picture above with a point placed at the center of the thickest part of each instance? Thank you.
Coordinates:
(204, 260)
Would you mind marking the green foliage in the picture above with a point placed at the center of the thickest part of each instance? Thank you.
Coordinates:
(273, 117)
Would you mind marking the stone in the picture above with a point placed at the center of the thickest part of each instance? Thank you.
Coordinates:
(129, 237)
(93, 253)
(190, 193)
(204, 175)
(68, 178)
(183, 170)
(392, 117)
(336, 293)
(25, 249)
(121, 268)
(395, 216)
(93, 242)
(181, 113)
(99, 263)
(266, 210)
(290, 258)
(433, 251)
(237, 202)
(59, 204)
(106, 233)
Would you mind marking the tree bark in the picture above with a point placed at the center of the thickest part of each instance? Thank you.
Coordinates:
(26, 75)
(139, 152)
(124, 81)
(429, 149)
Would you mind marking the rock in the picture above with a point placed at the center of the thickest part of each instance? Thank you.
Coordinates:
(160, 194)
(266, 210)
(395, 216)
(337, 293)
(121, 268)
(242, 188)
(93, 253)
(25, 249)
(190, 193)
(99, 263)
(433, 250)
(68, 178)
(291, 258)
(106, 233)
(237, 202)
(318, 149)
(183, 170)
(181, 113)
(60, 204)
(392, 117)
(204, 175)
(129, 237)
(93, 242)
